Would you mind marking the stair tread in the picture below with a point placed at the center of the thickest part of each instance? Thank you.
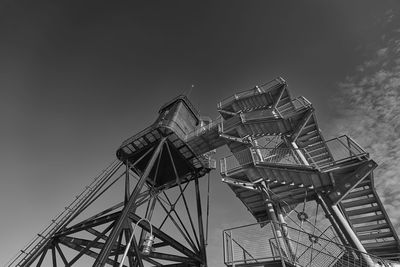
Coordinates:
(372, 227)
(367, 219)
(359, 202)
(375, 236)
(380, 245)
(365, 182)
(308, 135)
(317, 147)
(363, 210)
(359, 193)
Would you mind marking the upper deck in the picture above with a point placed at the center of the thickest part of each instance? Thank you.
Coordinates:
(177, 118)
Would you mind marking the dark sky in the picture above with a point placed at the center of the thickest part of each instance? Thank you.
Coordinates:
(78, 77)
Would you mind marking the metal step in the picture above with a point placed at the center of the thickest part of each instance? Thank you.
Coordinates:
(359, 193)
(359, 202)
(376, 236)
(309, 143)
(320, 157)
(381, 245)
(371, 227)
(316, 149)
(308, 135)
(368, 219)
(363, 210)
(365, 182)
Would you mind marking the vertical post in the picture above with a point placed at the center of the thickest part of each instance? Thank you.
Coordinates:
(105, 252)
(232, 255)
(127, 185)
(200, 222)
(354, 239)
(285, 232)
(331, 219)
(300, 154)
(274, 223)
(257, 150)
(53, 254)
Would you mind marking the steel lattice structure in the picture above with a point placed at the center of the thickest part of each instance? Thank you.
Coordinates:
(297, 185)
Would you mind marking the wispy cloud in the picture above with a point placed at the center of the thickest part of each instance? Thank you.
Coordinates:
(368, 106)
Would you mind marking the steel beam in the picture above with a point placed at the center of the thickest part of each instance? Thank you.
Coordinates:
(166, 238)
(200, 222)
(103, 256)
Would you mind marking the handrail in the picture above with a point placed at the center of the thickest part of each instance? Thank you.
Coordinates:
(311, 250)
(201, 129)
(298, 104)
(253, 91)
(341, 149)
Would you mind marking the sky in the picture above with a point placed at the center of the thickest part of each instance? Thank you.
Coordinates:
(79, 77)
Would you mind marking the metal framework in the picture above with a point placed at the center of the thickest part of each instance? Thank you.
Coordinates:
(314, 200)
(102, 237)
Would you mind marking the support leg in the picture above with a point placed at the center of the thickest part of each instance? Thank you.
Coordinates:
(344, 229)
(285, 233)
(274, 223)
(200, 223)
(105, 252)
(354, 239)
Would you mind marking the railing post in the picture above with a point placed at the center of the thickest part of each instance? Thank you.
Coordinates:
(232, 251)
(300, 154)
(256, 150)
(274, 223)
(285, 232)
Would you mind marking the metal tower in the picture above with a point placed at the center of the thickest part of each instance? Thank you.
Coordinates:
(314, 200)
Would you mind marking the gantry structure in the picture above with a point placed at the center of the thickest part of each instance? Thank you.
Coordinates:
(279, 163)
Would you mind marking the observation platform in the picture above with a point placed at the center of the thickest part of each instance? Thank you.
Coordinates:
(176, 119)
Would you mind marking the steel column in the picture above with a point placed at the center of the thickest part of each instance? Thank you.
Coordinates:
(275, 224)
(200, 222)
(285, 232)
(103, 256)
(331, 219)
(354, 239)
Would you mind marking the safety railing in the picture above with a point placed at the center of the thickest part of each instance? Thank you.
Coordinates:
(236, 161)
(254, 91)
(200, 130)
(208, 161)
(263, 242)
(342, 148)
(296, 105)
(336, 151)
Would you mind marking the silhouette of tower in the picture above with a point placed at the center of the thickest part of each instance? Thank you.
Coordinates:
(280, 167)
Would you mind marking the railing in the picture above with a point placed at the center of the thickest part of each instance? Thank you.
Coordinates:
(208, 161)
(236, 161)
(296, 105)
(202, 129)
(260, 243)
(342, 148)
(336, 151)
(254, 91)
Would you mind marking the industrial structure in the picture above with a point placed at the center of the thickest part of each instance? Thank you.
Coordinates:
(313, 199)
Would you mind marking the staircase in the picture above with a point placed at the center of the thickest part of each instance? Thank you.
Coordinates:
(370, 221)
(309, 163)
